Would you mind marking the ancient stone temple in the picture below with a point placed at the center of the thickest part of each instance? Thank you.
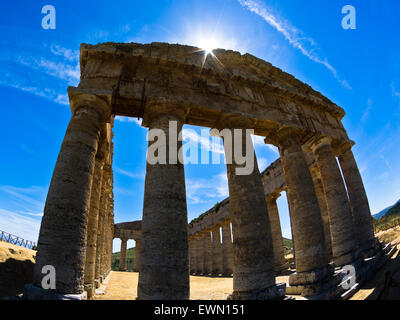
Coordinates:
(329, 211)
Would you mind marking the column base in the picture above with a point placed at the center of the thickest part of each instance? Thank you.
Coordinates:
(90, 290)
(275, 292)
(310, 283)
(346, 259)
(32, 292)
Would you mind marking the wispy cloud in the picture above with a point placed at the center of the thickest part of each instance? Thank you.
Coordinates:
(129, 119)
(129, 173)
(20, 225)
(207, 190)
(367, 110)
(30, 199)
(306, 45)
(45, 71)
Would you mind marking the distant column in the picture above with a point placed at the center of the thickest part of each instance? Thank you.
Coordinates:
(202, 253)
(217, 251)
(136, 260)
(191, 255)
(209, 255)
(197, 254)
(227, 248)
(122, 259)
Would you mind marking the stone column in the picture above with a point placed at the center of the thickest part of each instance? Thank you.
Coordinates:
(62, 238)
(363, 226)
(227, 248)
(253, 274)
(197, 257)
(93, 220)
(105, 202)
(217, 251)
(100, 231)
(306, 221)
(277, 241)
(122, 259)
(202, 253)
(319, 190)
(340, 217)
(208, 264)
(164, 271)
(191, 255)
(136, 261)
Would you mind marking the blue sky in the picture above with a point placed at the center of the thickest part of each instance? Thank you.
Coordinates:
(357, 69)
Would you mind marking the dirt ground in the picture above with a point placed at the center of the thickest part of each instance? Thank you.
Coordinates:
(123, 286)
(16, 268)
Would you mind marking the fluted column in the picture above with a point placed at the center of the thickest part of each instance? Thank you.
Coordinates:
(340, 217)
(227, 248)
(164, 271)
(202, 253)
(104, 228)
(217, 251)
(253, 274)
(62, 238)
(100, 230)
(208, 253)
(197, 254)
(319, 190)
(138, 249)
(191, 256)
(277, 240)
(93, 220)
(122, 259)
(363, 226)
(306, 220)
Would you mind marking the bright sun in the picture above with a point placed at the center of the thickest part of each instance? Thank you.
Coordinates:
(208, 45)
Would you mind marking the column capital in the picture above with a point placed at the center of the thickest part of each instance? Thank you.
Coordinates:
(316, 142)
(100, 100)
(342, 147)
(284, 137)
(156, 111)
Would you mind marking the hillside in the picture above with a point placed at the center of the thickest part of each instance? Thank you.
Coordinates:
(385, 211)
(130, 255)
(389, 219)
(393, 210)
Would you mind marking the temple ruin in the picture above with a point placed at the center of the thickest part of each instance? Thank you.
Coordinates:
(329, 211)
